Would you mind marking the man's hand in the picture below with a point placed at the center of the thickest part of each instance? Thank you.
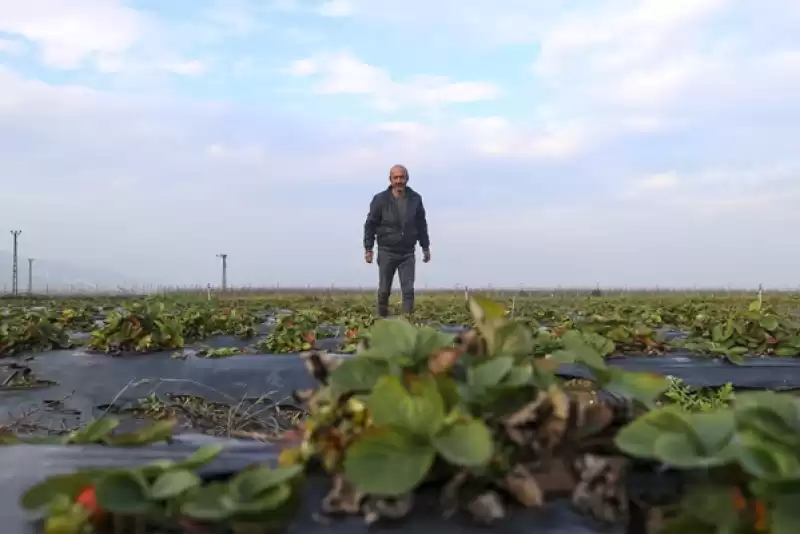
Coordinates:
(426, 256)
(368, 256)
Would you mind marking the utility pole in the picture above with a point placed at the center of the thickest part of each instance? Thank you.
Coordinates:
(224, 271)
(15, 272)
(30, 276)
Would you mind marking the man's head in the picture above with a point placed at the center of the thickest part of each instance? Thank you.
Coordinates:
(398, 178)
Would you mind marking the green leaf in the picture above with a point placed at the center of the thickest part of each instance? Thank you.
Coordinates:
(387, 464)
(785, 516)
(448, 389)
(430, 340)
(769, 323)
(96, 431)
(483, 309)
(681, 439)
(713, 505)
(562, 357)
(639, 437)
(490, 373)
(714, 429)
(718, 333)
(642, 386)
(201, 456)
(156, 467)
(392, 337)
(584, 353)
(171, 484)
(251, 483)
(736, 355)
(261, 504)
(158, 431)
(520, 375)
(45, 492)
(357, 374)
(773, 414)
(124, 492)
(678, 450)
(419, 411)
(514, 339)
(209, 503)
(72, 521)
(787, 352)
(466, 444)
(760, 461)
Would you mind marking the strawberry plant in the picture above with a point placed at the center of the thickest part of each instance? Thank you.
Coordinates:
(31, 331)
(413, 408)
(743, 462)
(759, 330)
(482, 418)
(145, 327)
(296, 332)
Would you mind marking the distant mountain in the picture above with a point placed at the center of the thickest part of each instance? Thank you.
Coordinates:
(57, 276)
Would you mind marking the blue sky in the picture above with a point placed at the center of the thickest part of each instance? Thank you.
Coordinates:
(559, 142)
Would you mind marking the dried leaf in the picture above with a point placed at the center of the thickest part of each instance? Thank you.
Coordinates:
(443, 360)
(320, 365)
(556, 425)
(601, 490)
(376, 509)
(450, 492)
(343, 498)
(487, 508)
(524, 487)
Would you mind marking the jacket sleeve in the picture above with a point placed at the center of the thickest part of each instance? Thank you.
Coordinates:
(372, 222)
(422, 227)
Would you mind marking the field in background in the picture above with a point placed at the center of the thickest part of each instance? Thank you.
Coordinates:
(500, 292)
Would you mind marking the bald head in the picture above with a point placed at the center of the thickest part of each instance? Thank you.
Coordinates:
(398, 178)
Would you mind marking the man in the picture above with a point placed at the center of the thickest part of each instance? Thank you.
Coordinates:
(397, 217)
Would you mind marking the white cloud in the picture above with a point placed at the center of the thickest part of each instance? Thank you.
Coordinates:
(619, 35)
(723, 190)
(344, 74)
(68, 33)
(103, 34)
(653, 140)
(13, 48)
(663, 181)
(235, 16)
(497, 136)
(337, 8)
(268, 192)
(409, 130)
(192, 67)
(302, 67)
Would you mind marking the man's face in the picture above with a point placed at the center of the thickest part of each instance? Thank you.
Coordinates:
(398, 179)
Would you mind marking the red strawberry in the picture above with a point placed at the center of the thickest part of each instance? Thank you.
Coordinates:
(88, 500)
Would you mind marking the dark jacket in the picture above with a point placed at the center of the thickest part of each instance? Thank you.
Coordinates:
(395, 235)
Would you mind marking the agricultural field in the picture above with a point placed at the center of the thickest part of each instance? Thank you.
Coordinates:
(264, 369)
(44, 343)
(279, 324)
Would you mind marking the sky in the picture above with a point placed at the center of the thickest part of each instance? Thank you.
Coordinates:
(554, 142)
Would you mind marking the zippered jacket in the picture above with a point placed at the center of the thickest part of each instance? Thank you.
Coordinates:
(395, 234)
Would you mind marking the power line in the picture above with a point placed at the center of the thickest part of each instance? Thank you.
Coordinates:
(224, 271)
(15, 271)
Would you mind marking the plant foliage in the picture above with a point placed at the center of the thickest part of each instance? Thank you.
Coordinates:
(482, 421)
